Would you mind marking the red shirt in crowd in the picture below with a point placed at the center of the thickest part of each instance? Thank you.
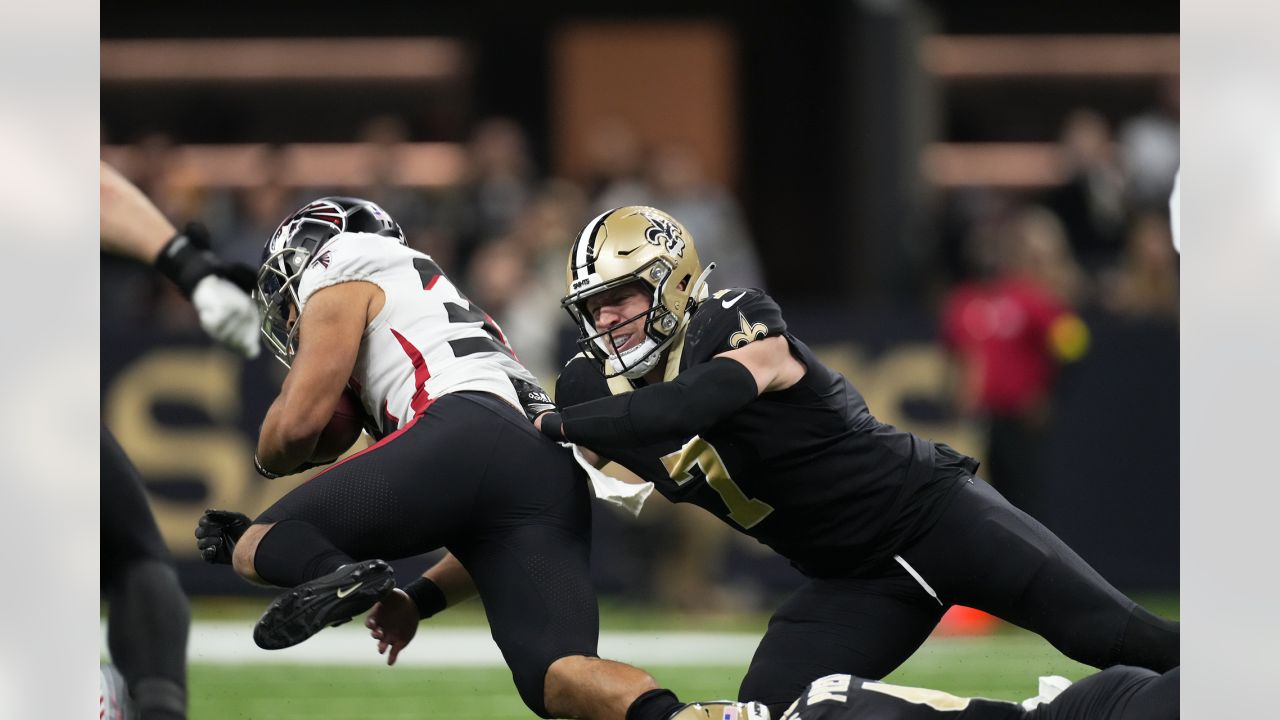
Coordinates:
(1003, 331)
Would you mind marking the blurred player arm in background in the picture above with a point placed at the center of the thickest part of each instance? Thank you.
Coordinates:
(328, 342)
(695, 400)
(394, 621)
(131, 225)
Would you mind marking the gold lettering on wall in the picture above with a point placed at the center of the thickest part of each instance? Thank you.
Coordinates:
(218, 454)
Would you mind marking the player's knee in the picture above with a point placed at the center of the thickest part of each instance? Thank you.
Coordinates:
(575, 683)
(246, 548)
(538, 687)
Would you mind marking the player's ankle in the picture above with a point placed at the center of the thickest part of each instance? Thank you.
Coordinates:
(656, 704)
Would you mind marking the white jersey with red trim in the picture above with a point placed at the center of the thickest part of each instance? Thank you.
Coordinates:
(427, 341)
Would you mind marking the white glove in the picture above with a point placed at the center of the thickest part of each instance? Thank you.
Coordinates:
(228, 314)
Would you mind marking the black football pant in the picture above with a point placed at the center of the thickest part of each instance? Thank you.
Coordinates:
(1117, 693)
(147, 616)
(471, 474)
(982, 553)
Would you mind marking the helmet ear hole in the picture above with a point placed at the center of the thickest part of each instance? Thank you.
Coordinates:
(684, 283)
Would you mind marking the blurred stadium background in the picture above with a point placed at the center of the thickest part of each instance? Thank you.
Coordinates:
(873, 164)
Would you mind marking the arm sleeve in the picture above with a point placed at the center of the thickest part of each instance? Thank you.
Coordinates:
(696, 400)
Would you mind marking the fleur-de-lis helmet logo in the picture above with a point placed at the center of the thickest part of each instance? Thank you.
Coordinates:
(663, 233)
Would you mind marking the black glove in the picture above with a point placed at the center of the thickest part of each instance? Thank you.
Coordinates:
(217, 534)
(533, 399)
(187, 259)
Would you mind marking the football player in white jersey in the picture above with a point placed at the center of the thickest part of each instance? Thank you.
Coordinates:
(346, 304)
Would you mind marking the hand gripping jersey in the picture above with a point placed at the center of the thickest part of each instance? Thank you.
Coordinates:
(807, 471)
(427, 341)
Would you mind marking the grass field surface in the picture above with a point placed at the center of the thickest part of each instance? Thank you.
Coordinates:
(1001, 666)
(1004, 664)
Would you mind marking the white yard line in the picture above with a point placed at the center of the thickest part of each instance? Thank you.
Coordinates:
(227, 642)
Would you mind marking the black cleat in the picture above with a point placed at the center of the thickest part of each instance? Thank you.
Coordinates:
(330, 600)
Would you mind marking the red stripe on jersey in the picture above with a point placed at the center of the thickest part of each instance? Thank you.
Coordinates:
(433, 282)
(491, 325)
(420, 374)
(376, 445)
(386, 410)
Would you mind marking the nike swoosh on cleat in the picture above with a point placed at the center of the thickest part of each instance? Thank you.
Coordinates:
(343, 592)
(726, 304)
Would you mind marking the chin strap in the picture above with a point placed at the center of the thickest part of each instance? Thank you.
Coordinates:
(699, 292)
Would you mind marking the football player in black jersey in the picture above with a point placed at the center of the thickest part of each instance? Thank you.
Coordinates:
(716, 403)
(1116, 693)
(1120, 692)
(148, 616)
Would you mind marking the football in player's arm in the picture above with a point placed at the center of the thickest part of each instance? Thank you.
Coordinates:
(346, 302)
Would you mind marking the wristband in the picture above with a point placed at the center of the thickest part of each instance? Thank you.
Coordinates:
(186, 259)
(427, 596)
(553, 426)
(257, 465)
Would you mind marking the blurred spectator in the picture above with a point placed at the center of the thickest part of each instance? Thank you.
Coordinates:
(501, 180)
(1145, 284)
(1149, 148)
(262, 207)
(1007, 332)
(672, 178)
(532, 317)
(179, 191)
(615, 177)
(680, 187)
(158, 171)
(1091, 204)
(384, 136)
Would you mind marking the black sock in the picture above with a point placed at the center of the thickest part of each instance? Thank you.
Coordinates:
(293, 552)
(147, 622)
(657, 704)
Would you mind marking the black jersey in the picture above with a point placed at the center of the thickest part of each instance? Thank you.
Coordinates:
(842, 697)
(1118, 693)
(807, 471)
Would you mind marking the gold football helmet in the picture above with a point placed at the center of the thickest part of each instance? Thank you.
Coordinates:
(722, 710)
(626, 245)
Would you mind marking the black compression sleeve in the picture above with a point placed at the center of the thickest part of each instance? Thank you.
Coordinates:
(697, 399)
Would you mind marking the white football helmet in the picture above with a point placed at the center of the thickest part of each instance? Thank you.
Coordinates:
(299, 238)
